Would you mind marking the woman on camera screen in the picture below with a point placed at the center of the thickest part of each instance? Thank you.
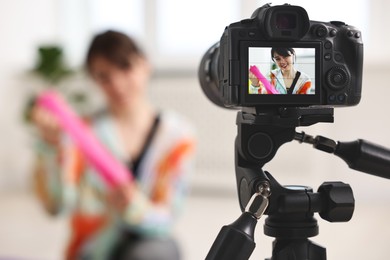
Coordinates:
(283, 78)
(286, 79)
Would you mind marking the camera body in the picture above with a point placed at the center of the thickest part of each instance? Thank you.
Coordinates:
(328, 56)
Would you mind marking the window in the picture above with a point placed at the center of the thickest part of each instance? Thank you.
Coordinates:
(355, 13)
(186, 28)
(176, 33)
(125, 15)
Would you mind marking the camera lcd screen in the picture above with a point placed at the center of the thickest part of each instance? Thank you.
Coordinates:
(282, 74)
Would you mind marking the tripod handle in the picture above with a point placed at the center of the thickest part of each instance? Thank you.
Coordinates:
(360, 155)
(365, 156)
(235, 241)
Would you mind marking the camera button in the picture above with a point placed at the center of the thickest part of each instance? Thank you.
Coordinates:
(338, 57)
(350, 33)
(341, 98)
(328, 56)
(358, 35)
(333, 33)
(321, 31)
(332, 98)
(328, 45)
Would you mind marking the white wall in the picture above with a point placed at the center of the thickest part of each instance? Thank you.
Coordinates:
(24, 24)
(380, 21)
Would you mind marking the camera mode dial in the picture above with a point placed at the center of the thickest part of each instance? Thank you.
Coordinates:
(321, 31)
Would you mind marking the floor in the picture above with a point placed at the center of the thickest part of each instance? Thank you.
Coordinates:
(28, 234)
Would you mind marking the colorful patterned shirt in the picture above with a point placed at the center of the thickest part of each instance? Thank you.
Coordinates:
(161, 184)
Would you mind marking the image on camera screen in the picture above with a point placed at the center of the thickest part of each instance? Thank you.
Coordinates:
(281, 70)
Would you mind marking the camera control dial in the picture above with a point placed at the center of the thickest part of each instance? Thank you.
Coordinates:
(337, 78)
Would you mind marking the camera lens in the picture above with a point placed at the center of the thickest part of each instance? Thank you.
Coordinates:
(286, 21)
(208, 75)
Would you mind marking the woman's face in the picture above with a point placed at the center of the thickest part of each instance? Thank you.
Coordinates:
(285, 63)
(122, 87)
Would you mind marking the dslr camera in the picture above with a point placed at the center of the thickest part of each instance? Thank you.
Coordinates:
(279, 57)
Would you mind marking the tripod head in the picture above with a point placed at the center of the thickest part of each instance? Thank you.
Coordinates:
(261, 132)
(290, 209)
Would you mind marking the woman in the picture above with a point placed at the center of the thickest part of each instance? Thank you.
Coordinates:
(286, 79)
(122, 223)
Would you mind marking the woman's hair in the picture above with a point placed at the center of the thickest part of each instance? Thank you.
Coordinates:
(285, 52)
(116, 47)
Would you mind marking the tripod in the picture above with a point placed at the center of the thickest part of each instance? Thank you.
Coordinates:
(290, 209)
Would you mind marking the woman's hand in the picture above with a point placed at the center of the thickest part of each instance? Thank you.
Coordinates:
(254, 80)
(48, 126)
(120, 196)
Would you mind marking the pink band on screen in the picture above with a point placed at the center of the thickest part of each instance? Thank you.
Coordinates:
(270, 89)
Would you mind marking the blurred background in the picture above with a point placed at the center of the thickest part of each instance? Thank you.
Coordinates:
(175, 34)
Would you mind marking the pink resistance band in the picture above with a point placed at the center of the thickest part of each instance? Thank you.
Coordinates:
(270, 89)
(111, 170)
